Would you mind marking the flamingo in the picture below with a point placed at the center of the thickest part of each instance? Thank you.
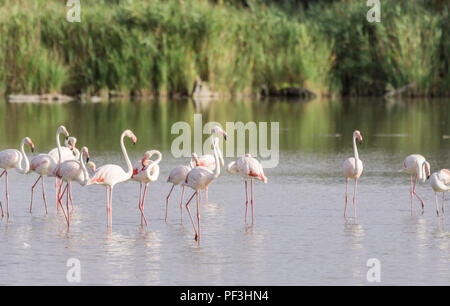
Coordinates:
(110, 175)
(353, 170)
(12, 158)
(44, 164)
(146, 171)
(440, 182)
(68, 152)
(208, 160)
(178, 176)
(249, 168)
(416, 164)
(72, 170)
(199, 178)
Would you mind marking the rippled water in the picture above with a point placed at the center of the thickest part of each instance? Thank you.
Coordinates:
(299, 236)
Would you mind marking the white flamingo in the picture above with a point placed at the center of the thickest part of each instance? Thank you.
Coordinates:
(199, 178)
(110, 175)
(353, 168)
(44, 164)
(249, 168)
(73, 170)
(440, 182)
(146, 171)
(177, 176)
(208, 160)
(12, 158)
(416, 164)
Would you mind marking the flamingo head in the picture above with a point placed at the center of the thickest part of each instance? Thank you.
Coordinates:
(358, 136)
(218, 130)
(62, 130)
(85, 151)
(30, 143)
(194, 160)
(70, 142)
(91, 165)
(131, 135)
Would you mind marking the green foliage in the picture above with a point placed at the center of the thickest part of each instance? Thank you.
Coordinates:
(138, 47)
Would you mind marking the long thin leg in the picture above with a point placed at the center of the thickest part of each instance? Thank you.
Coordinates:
(189, 212)
(421, 201)
(411, 192)
(107, 205)
(142, 205)
(198, 216)
(58, 195)
(7, 195)
(44, 196)
(67, 204)
(443, 202)
(251, 184)
(57, 192)
(246, 201)
(60, 203)
(110, 205)
(354, 199)
(346, 197)
(167, 200)
(181, 204)
(206, 195)
(32, 191)
(70, 194)
(140, 196)
(437, 206)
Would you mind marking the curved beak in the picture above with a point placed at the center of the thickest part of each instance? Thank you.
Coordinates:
(32, 149)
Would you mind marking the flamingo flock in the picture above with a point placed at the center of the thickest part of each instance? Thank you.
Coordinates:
(68, 164)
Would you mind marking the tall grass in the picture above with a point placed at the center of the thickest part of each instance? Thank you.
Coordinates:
(160, 47)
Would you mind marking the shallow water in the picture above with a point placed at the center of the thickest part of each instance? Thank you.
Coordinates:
(299, 236)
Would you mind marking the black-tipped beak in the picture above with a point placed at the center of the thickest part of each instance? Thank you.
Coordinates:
(32, 149)
(67, 137)
(428, 177)
(87, 159)
(134, 143)
(225, 137)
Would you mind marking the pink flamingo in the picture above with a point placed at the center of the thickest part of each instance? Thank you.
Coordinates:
(353, 168)
(249, 168)
(68, 152)
(440, 182)
(12, 158)
(178, 176)
(208, 160)
(146, 171)
(72, 170)
(416, 164)
(199, 178)
(44, 164)
(110, 175)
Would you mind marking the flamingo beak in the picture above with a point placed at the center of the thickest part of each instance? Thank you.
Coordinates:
(32, 148)
(143, 162)
(225, 136)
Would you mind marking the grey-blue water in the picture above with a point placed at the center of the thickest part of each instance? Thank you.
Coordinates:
(300, 235)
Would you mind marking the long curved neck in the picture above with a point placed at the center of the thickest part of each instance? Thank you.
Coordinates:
(355, 151)
(25, 158)
(216, 159)
(84, 169)
(125, 155)
(422, 172)
(58, 145)
(155, 162)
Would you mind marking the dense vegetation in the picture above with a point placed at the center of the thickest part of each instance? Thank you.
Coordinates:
(142, 47)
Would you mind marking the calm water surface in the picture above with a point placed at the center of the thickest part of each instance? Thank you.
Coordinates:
(300, 235)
